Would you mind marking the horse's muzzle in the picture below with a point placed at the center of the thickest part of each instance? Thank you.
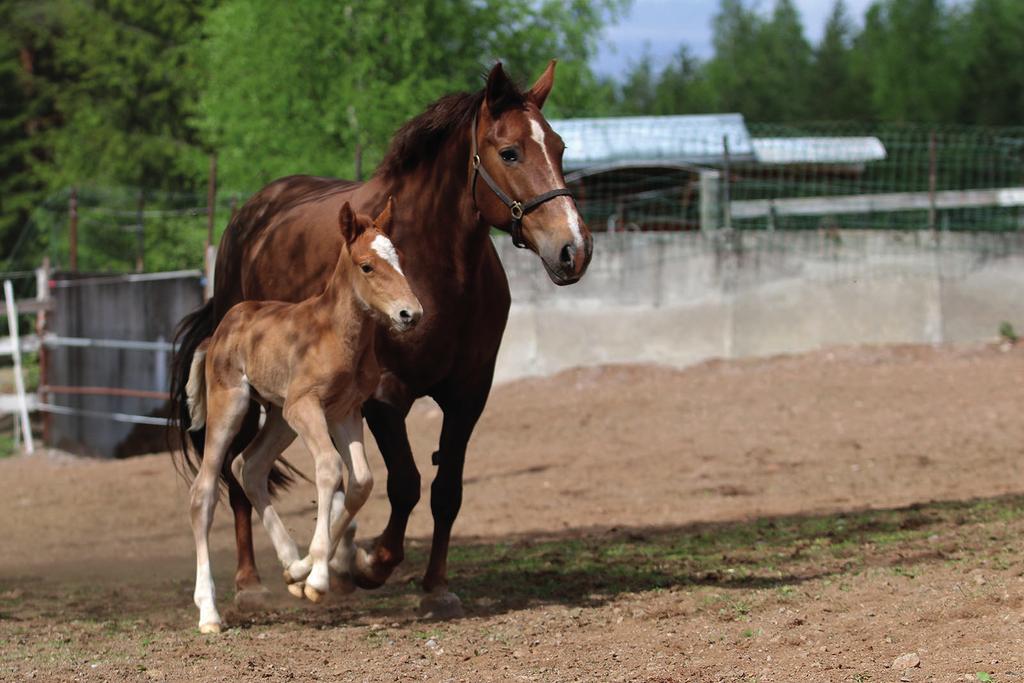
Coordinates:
(571, 262)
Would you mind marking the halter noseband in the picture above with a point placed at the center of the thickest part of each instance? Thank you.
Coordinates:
(518, 209)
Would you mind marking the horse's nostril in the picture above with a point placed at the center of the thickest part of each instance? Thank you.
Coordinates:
(405, 315)
(567, 254)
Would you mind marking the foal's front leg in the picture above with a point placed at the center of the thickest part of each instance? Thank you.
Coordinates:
(306, 416)
(348, 437)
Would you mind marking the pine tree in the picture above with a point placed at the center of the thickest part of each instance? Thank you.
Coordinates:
(993, 85)
(832, 77)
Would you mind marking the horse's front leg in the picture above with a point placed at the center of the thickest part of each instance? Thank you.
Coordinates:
(373, 562)
(461, 409)
(306, 417)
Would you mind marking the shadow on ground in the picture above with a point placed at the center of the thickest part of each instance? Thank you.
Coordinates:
(584, 567)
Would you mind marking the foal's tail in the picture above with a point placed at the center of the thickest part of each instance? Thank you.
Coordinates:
(195, 388)
(188, 396)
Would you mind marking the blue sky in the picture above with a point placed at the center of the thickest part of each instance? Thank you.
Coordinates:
(665, 24)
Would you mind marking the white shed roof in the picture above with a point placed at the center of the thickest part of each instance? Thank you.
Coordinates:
(818, 150)
(636, 140)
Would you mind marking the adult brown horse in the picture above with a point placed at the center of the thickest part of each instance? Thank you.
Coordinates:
(468, 162)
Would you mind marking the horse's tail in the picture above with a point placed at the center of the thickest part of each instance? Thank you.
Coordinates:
(195, 389)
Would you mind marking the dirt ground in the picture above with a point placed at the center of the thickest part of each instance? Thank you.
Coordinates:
(799, 518)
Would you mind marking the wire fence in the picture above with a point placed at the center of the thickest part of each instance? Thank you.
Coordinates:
(648, 174)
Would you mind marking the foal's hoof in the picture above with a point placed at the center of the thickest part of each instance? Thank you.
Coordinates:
(212, 627)
(312, 594)
(296, 589)
(251, 599)
(441, 605)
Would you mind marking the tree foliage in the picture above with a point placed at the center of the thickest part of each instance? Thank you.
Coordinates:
(139, 93)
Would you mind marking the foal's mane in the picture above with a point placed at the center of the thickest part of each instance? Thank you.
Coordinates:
(422, 137)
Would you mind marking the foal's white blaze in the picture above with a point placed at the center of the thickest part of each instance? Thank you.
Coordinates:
(386, 250)
(572, 216)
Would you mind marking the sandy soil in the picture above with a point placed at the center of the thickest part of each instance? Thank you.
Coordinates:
(771, 520)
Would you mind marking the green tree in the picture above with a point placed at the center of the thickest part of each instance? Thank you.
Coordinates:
(639, 90)
(683, 87)
(993, 84)
(128, 80)
(324, 91)
(909, 58)
(27, 112)
(833, 81)
(785, 65)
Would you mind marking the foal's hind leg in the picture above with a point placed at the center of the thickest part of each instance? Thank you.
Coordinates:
(253, 467)
(306, 417)
(225, 409)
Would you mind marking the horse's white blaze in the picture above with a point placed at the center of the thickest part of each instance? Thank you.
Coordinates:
(385, 248)
(572, 215)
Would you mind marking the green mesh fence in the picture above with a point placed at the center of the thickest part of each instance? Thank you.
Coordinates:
(776, 177)
(121, 229)
(815, 176)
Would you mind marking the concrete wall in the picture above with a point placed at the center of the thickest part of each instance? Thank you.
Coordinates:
(677, 299)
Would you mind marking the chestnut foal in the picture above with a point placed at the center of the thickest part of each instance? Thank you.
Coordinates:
(311, 365)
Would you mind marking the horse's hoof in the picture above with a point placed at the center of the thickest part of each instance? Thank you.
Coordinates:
(312, 594)
(342, 584)
(212, 627)
(441, 605)
(254, 598)
(296, 589)
(367, 571)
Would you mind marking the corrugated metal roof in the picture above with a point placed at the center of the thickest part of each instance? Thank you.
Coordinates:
(823, 150)
(636, 140)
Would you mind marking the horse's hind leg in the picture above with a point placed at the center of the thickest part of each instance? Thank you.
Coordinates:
(225, 410)
(247, 578)
(252, 468)
(306, 417)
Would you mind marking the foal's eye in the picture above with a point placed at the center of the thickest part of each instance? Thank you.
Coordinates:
(509, 155)
(367, 268)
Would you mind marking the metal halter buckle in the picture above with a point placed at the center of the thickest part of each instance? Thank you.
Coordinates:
(517, 210)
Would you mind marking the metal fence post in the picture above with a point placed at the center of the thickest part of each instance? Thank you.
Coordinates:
(19, 380)
(709, 202)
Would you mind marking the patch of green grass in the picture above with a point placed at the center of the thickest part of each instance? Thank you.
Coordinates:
(775, 553)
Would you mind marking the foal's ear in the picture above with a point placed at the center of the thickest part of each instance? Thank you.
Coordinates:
(348, 223)
(542, 88)
(500, 90)
(386, 218)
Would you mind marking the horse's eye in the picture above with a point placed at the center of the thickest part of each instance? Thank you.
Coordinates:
(509, 155)
(367, 268)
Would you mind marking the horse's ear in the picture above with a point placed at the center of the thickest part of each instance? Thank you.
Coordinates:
(499, 91)
(348, 223)
(542, 88)
(385, 220)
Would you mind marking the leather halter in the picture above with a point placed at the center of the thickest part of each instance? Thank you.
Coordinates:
(517, 208)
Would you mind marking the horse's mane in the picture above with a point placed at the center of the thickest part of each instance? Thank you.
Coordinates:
(422, 137)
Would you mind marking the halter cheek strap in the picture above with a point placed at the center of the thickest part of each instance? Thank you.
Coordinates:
(517, 209)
